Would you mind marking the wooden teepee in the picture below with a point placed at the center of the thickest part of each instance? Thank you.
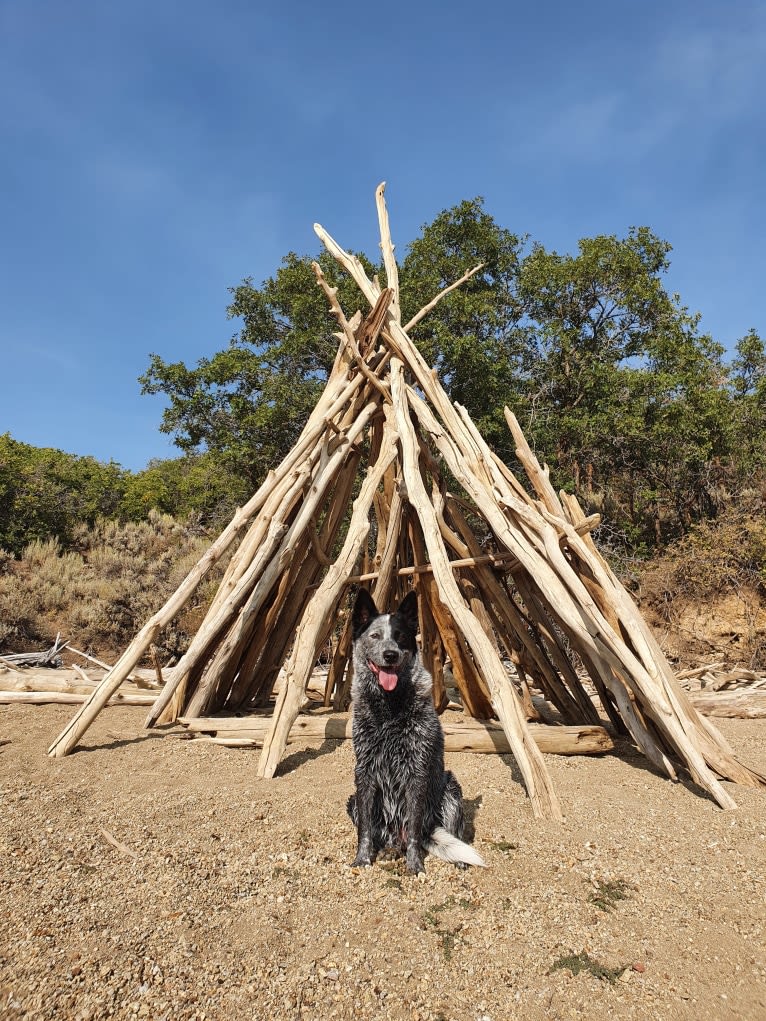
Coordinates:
(534, 589)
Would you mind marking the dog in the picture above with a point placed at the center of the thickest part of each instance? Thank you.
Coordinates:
(404, 798)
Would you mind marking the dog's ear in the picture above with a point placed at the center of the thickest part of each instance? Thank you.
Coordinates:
(364, 610)
(408, 609)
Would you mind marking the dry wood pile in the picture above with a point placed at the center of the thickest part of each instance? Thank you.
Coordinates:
(48, 658)
(717, 691)
(499, 570)
(70, 686)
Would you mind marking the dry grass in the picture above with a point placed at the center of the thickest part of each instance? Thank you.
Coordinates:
(707, 592)
(100, 595)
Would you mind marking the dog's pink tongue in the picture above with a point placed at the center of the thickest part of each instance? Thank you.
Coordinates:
(387, 680)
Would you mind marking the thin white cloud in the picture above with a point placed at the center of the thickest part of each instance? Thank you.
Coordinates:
(691, 85)
(723, 68)
(580, 128)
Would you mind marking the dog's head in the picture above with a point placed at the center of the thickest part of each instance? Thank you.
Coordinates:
(385, 641)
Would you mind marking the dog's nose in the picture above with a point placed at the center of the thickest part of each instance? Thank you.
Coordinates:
(391, 656)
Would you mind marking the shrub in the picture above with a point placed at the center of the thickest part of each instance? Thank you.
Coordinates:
(100, 595)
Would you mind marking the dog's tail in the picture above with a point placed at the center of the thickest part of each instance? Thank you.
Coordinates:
(446, 846)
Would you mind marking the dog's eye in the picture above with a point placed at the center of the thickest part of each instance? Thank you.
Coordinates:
(375, 634)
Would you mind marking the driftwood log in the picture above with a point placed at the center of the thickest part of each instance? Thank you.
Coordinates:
(71, 698)
(740, 703)
(464, 736)
(391, 485)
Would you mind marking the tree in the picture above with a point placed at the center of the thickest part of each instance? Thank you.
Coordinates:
(475, 337)
(46, 492)
(594, 315)
(624, 396)
(748, 387)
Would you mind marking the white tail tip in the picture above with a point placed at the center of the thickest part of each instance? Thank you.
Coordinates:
(447, 847)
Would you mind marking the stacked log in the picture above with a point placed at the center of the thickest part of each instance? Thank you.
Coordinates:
(71, 686)
(380, 490)
(466, 735)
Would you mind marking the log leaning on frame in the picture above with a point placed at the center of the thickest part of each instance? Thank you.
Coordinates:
(386, 429)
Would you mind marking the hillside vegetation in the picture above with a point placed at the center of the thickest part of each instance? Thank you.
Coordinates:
(100, 591)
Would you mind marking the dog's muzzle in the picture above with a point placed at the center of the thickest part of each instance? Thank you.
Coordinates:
(388, 676)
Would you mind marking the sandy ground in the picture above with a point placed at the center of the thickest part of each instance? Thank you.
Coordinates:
(231, 897)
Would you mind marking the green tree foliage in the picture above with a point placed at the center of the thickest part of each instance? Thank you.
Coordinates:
(476, 337)
(199, 486)
(45, 492)
(748, 385)
(625, 397)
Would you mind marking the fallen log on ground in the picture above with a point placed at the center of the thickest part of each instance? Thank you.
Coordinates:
(71, 698)
(70, 679)
(463, 736)
(738, 703)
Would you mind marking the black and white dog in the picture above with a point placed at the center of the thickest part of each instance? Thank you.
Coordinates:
(404, 798)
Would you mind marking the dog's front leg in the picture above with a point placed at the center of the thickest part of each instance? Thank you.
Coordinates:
(365, 796)
(416, 801)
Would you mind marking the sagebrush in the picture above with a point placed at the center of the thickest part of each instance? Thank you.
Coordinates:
(100, 593)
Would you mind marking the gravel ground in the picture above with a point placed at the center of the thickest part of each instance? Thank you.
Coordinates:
(231, 897)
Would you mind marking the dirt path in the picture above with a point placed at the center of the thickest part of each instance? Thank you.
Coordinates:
(231, 897)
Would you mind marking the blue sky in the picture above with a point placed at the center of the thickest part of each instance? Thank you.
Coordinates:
(154, 154)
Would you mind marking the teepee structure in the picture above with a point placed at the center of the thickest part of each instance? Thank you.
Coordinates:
(390, 485)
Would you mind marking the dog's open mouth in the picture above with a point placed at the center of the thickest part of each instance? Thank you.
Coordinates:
(387, 677)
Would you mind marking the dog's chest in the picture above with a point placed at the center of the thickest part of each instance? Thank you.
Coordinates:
(391, 757)
(392, 749)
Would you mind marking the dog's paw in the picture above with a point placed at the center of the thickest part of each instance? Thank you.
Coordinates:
(361, 862)
(415, 865)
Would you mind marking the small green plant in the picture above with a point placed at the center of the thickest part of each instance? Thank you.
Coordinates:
(583, 962)
(607, 895)
(504, 846)
(448, 937)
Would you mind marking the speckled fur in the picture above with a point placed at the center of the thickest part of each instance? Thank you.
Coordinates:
(404, 797)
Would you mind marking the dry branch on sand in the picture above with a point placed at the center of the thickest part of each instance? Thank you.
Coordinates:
(432, 502)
